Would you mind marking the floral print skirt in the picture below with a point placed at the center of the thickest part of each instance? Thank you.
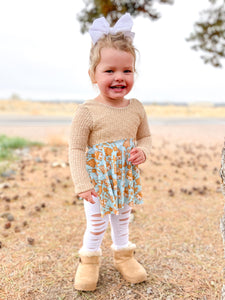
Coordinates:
(116, 180)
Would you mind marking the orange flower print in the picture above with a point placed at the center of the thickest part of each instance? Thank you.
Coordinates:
(91, 163)
(126, 144)
(105, 189)
(115, 183)
(103, 170)
(129, 175)
(126, 192)
(108, 166)
(98, 155)
(115, 179)
(108, 151)
(119, 154)
(119, 174)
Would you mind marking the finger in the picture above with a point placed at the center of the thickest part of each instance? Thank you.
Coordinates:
(134, 150)
(94, 193)
(138, 161)
(91, 200)
(133, 157)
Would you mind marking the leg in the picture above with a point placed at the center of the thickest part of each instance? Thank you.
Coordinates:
(123, 250)
(88, 269)
(96, 226)
(120, 228)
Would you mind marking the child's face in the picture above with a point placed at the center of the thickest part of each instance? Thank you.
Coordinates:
(114, 74)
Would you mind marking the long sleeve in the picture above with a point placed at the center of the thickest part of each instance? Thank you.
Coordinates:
(80, 129)
(144, 140)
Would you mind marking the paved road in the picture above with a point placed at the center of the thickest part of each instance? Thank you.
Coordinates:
(50, 121)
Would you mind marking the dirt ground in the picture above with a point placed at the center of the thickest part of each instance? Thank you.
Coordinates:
(176, 230)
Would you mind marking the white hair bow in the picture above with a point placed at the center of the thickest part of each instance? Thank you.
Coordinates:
(100, 27)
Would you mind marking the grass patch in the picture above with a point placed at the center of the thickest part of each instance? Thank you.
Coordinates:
(8, 144)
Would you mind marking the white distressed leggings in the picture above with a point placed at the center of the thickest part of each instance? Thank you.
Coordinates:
(96, 226)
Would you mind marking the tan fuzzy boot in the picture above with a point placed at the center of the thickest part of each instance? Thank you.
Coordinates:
(87, 274)
(127, 265)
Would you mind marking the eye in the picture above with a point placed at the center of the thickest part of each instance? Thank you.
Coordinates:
(109, 71)
(127, 71)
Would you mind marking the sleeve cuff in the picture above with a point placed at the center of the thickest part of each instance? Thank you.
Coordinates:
(83, 188)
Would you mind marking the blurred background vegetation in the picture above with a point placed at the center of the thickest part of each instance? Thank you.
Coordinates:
(208, 34)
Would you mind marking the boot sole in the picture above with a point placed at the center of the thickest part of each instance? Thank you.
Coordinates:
(144, 278)
(85, 288)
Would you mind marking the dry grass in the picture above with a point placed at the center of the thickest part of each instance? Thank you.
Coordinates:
(25, 107)
(176, 230)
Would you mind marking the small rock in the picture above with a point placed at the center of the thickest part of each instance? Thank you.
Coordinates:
(0, 244)
(55, 164)
(59, 165)
(4, 215)
(4, 185)
(149, 291)
(7, 225)
(6, 198)
(43, 205)
(8, 173)
(25, 223)
(38, 159)
(219, 190)
(22, 207)
(30, 240)
(22, 152)
(10, 217)
(29, 194)
(17, 229)
(171, 192)
(7, 207)
(48, 195)
(37, 208)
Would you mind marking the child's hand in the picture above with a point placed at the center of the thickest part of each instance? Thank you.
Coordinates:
(137, 156)
(88, 195)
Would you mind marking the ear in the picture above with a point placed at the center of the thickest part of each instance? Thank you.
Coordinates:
(92, 76)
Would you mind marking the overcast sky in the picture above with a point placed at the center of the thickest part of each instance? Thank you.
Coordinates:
(43, 55)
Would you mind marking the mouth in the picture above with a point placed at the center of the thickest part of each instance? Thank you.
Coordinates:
(118, 87)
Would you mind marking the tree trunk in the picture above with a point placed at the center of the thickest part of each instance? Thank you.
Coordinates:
(222, 222)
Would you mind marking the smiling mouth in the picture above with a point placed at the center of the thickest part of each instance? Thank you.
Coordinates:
(118, 87)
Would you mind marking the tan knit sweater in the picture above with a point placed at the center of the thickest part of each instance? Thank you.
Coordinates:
(96, 123)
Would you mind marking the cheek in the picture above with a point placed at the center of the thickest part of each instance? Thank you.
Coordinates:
(131, 82)
(104, 82)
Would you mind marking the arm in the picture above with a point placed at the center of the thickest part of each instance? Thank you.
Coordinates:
(80, 129)
(144, 140)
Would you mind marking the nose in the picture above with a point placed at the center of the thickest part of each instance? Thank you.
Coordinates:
(119, 76)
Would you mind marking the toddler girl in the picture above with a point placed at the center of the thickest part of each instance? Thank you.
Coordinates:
(109, 138)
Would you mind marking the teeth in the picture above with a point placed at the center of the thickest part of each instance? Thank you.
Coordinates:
(118, 87)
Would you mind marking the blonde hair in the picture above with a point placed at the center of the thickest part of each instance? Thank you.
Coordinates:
(117, 41)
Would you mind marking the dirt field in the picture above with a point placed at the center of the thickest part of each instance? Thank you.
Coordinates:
(176, 230)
